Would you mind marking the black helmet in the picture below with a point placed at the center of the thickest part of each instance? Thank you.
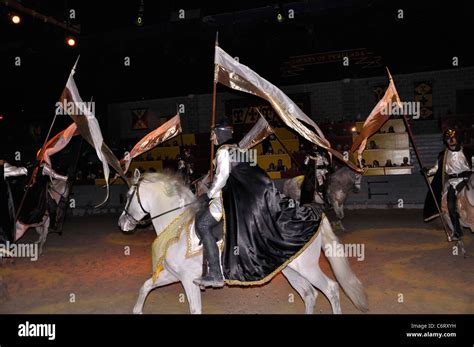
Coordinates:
(223, 131)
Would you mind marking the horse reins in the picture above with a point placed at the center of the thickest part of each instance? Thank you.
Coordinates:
(146, 221)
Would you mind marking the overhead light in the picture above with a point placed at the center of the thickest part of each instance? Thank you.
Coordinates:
(139, 20)
(16, 19)
(71, 41)
(141, 12)
(280, 17)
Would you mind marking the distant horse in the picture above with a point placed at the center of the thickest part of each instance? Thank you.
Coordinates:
(158, 193)
(57, 190)
(340, 183)
(465, 207)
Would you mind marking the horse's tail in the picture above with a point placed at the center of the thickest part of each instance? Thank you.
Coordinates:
(344, 274)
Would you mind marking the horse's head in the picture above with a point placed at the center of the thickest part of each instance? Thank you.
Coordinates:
(134, 210)
(356, 179)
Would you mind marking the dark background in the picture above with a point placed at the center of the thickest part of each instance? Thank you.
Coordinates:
(171, 57)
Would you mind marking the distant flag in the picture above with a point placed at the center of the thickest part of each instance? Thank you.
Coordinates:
(161, 134)
(376, 118)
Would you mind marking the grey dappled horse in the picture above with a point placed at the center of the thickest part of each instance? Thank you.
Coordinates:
(340, 183)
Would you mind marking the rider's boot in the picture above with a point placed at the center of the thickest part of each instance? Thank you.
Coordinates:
(214, 276)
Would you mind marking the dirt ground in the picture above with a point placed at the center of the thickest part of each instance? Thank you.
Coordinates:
(404, 259)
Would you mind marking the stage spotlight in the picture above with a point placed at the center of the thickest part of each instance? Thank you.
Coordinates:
(16, 19)
(140, 15)
(280, 17)
(353, 129)
(139, 20)
(71, 41)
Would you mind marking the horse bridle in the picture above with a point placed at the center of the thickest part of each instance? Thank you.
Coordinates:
(136, 190)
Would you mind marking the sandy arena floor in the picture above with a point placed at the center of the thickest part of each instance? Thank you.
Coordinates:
(402, 256)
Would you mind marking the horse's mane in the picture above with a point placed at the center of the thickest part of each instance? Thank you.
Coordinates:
(172, 184)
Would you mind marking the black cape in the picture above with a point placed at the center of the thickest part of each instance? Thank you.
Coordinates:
(430, 211)
(264, 230)
(36, 201)
(308, 185)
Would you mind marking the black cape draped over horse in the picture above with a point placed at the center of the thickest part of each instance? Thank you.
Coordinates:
(430, 211)
(264, 229)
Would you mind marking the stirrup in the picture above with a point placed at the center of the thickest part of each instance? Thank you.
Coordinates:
(208, 281)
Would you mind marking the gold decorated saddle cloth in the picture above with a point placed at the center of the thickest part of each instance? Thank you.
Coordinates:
(181, 226)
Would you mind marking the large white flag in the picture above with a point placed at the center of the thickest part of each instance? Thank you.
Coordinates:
(237, 76)
(89, 128)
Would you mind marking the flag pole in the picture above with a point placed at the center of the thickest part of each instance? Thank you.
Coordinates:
(32, 179)
(420, 163)
(213, 117)
(181, 149)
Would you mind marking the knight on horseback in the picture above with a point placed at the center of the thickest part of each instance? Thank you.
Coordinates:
(208, 219)
(263, 228)
(318, 165)
(456, 168)
(6, 203)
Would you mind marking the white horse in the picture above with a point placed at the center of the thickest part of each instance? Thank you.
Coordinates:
(56, 190)
(157, 193)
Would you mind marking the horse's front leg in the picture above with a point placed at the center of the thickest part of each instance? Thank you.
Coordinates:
(193, 293)
(163, 279)
(42, 229)
(339, 210)
(187, 271)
